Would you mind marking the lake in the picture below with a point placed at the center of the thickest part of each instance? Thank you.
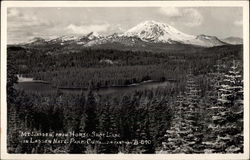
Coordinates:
(47, 87)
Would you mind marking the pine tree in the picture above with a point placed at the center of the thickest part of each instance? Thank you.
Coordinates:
(192, 115)
(232, 87)
(11, 78)
(80, 110)
(185, 133)
(91, 119)
(213, 108)
(107, 125)
(143, 129)
(215, 80)
(174, 142)
(12, 111)
(228, 114)
(91, 112)
(124, 124)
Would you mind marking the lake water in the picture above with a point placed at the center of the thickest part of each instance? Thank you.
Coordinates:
(47, 87)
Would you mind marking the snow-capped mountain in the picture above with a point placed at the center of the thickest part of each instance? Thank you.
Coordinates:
(78, 39)
(37, 41)
(233, 40)
(66, 38)
(114, 39)
(209, 41)
(145, 33)
(152, 31)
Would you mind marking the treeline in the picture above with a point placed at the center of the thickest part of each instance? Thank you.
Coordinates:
(106, 68)
(110, 76)
(33, 60)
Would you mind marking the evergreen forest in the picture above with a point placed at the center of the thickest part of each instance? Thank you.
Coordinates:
(199, 111)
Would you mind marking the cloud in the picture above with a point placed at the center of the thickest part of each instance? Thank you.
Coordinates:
(170, 11)
(13, 12)
(18, 19)
(115, 28)
(193, 16)
(238, 23)
(15, 15)
(22, 25)
(188, 16)
(84, 29)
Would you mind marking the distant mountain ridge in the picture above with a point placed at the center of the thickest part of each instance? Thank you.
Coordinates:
(141, 35)
(233, 40)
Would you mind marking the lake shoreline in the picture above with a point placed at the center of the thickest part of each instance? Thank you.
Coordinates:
(105, 87)
(41, 86)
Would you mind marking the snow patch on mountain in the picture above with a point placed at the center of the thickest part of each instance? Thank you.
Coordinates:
(207, 41)
(66, 38)
(152, 31)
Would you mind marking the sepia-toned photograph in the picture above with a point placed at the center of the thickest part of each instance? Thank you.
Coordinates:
(166, 80)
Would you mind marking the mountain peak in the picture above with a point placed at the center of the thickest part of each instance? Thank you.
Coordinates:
(203, 36)
(209, 41)
(157, 32)
(93, 35)
(37, 39)
(152, 22)
(150, 25)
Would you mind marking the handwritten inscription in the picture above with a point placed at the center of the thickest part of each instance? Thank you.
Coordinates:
(77, 138)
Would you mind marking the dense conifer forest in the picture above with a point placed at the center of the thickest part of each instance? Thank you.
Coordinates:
(200, 112)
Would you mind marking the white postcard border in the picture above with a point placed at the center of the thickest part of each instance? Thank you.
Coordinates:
(6, 4)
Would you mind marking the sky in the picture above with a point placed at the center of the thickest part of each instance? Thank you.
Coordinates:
(23, 24)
